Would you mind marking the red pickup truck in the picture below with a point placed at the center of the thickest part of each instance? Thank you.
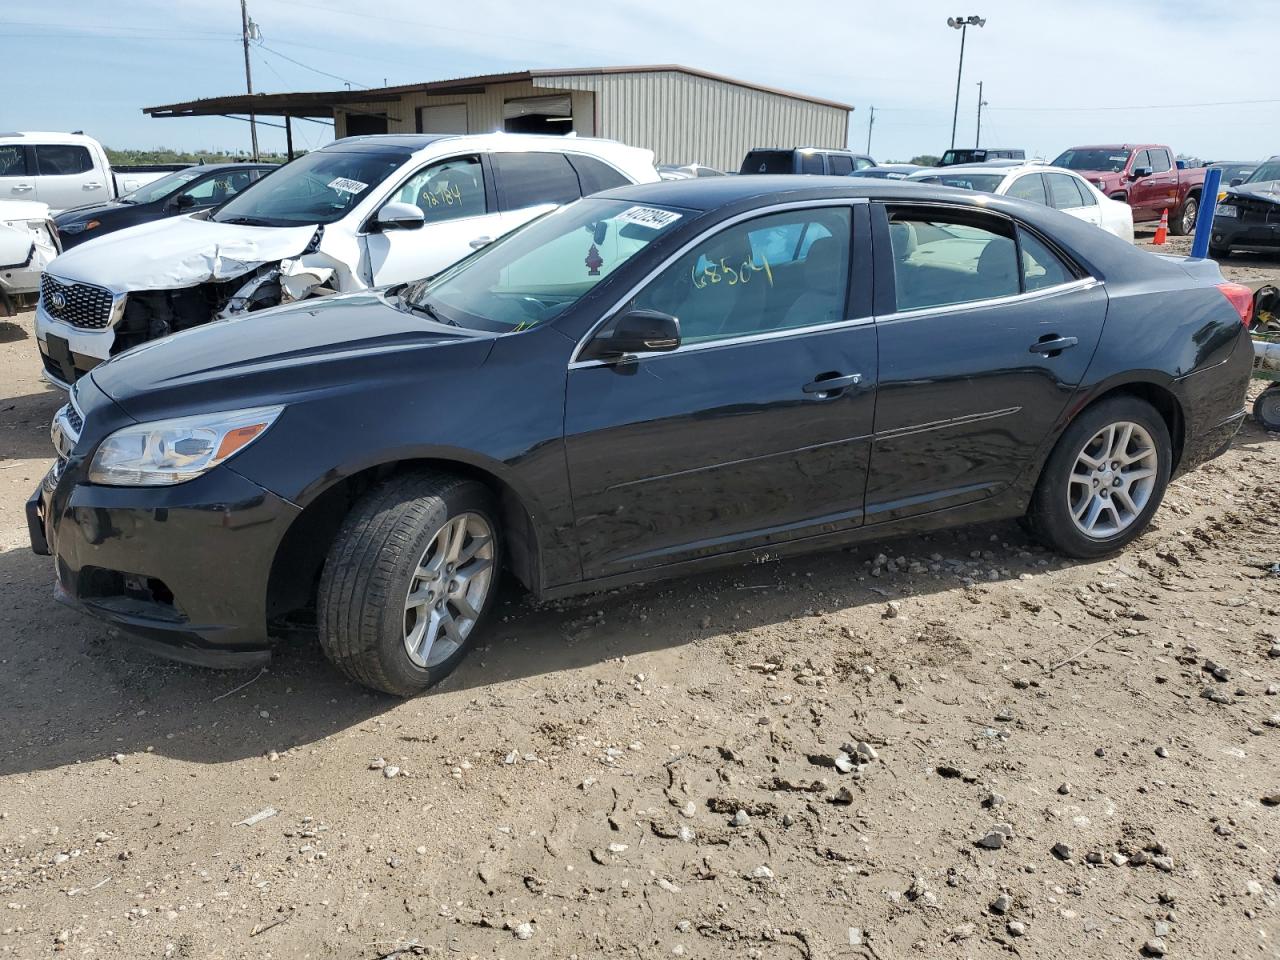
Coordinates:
(1143, 175)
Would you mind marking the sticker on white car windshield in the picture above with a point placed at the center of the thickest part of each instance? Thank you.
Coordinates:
(346, 185)
(650, 217)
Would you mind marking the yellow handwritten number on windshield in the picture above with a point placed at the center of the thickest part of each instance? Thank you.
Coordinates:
(723, 272)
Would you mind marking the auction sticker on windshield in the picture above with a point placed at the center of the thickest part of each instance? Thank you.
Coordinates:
(347, 185)
(650, 217)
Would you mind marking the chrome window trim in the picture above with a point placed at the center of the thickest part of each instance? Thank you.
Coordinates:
(575, 363)
(1084, 283)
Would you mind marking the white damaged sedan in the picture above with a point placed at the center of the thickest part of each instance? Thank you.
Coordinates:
(361, 212)
(1055, 187)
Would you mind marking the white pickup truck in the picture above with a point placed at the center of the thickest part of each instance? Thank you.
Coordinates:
(65, 170)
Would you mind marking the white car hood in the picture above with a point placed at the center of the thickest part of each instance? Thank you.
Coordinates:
(177, 252)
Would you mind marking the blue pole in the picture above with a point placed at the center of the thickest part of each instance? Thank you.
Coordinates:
(1204, 219)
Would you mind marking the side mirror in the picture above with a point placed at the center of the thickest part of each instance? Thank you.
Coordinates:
(1139, 172)
(1236, 181)
(398, 215)
(639, 331)
(183, 201)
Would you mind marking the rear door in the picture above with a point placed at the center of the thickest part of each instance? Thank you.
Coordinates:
(531, 183)
(978, 358)
(68, 177)
(17, 172)
(458, 212)
(1164, 181)
(732, 441)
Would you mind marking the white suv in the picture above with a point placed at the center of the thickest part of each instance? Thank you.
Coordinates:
(359, 213)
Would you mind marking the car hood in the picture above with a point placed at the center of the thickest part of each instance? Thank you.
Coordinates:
(178, 252)
(87, 210)
(1265, 190)
(298, 348)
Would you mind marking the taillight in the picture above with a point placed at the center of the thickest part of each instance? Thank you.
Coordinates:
(1241, 297)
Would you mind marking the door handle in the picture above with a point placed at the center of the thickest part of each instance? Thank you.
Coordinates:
(479, 242)
(1052, 345)
(91, 185)
(832, 384)
(22, 187)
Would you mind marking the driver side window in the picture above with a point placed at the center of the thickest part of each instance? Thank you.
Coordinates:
(447, 190)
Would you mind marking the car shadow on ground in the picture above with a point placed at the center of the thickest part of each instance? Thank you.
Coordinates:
(24, 425)
(74, 693)
(11, 332)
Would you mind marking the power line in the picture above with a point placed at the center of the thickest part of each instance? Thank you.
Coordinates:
(304, 66)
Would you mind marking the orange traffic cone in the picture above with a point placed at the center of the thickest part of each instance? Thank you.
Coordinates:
(1162, 231)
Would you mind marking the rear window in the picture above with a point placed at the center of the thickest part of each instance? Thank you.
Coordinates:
(769, 161)
(841, 166)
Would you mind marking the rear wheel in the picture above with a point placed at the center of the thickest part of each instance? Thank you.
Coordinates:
(1183, 221)
(1266, 409)
(409, 579)
(1104, 480)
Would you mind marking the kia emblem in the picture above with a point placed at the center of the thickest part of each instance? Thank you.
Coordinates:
(58, 300)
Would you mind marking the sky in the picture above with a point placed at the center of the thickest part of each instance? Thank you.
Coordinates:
(1055, 73)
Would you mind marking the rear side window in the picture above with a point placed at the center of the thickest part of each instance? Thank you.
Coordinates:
(1062, 191)
(811, 163)
(940, 261)
(1160, 161)
(1041, 267)
(769, 161)
(530, 179)
(13, 160)
(594, 176)
(841, 166)
(62, 159)
(1030, 187)
(1087, 198)
(862, 163)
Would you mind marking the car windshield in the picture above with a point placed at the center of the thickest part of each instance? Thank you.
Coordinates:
(982, 182)
(536, 273)
(1267, 171)
(320, 187)
(159, 189)
(1110, 161)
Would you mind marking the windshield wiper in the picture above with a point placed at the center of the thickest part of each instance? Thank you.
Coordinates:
(246, 221)
(431, 312)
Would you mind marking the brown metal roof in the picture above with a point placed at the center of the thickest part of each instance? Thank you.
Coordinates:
(321, 103)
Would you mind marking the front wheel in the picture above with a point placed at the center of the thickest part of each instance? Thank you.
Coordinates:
(1266, 409)
(1104, 480)
(1184, 221)
(409, 579)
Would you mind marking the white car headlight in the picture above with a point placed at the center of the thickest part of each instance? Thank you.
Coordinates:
(164, 452)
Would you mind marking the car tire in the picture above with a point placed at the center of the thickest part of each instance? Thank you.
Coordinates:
(423, 536)
(1063, 503)
(1266, 408)
(1189, 210)
(1219, 253)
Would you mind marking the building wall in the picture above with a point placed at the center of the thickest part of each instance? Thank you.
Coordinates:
(681, 118)
(690, 119)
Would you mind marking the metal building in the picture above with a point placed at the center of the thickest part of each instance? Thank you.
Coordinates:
(683, 115)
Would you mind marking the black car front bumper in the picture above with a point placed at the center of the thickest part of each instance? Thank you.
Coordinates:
(183, 569)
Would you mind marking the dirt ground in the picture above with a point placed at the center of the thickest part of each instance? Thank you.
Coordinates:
(1061, 759)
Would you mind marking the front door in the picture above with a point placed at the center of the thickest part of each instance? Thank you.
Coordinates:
(978, 358)
(458, 216)
(756, 430)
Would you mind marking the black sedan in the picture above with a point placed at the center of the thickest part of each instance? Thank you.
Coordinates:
(638, 385)
(188, 190)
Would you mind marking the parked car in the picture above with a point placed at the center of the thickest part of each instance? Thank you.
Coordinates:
(889, 171)
(1145, 176)
(1248, 218)
(687, 171)
(1234, 172)
(189, 190)
(951, 158)
(28, 242)
(1051, 186)
(837, 163)
(66, 170)
(749, 371)
(358, 213)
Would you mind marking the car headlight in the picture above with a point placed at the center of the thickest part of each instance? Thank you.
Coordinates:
(165, 452)
(1226, 211)
(74, 228)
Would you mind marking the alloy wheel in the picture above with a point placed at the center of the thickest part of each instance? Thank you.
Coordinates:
(1189, 210)
(448, 590)
(1113, 479)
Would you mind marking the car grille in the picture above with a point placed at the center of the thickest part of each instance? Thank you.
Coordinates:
(79, 304)
(1256, 211)
(74, 419)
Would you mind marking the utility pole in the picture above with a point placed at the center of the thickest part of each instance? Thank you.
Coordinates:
(870, 123)
(977, 139)
(962, 24)
(245, 23)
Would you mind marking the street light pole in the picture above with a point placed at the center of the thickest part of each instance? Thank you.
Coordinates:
(245, 32)
(870, 123)
(962, 24)
(977, 139)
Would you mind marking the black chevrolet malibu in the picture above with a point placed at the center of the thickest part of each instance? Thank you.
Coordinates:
(637, 385)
